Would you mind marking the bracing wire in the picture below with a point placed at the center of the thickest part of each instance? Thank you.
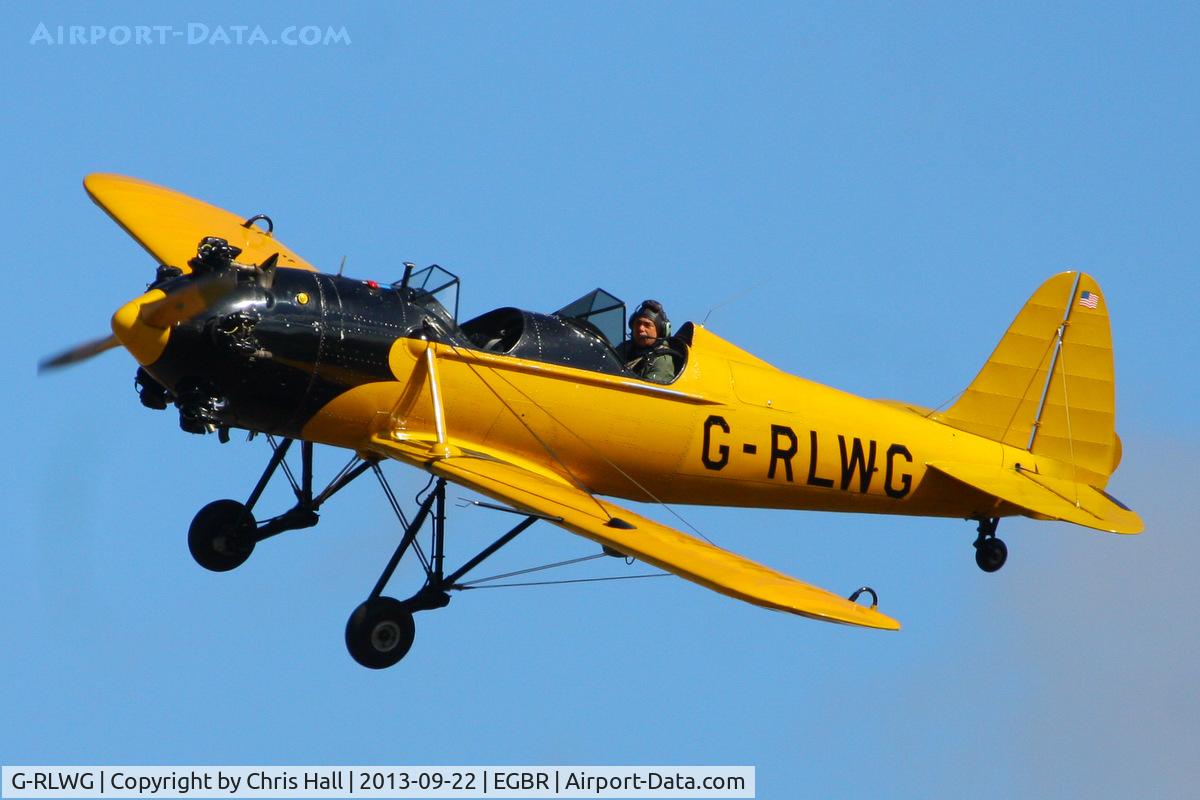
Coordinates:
(585, 442)
(544, 445)
(475, 584)
(1050, 345)
(340, 476)
(1013, 417)
(736, 296)
(287, 470)
(572, 580)
(391, 498)
(945, 403)
(528, 570)
(1070, 437)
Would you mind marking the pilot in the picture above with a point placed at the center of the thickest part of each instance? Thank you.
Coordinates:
(646, 353)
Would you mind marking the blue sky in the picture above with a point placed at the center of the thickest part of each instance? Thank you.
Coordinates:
(878, 187)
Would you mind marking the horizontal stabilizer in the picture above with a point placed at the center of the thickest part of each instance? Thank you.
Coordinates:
(1044, 496)
(618, 528)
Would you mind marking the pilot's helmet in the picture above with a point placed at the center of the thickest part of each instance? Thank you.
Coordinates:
(653, 311)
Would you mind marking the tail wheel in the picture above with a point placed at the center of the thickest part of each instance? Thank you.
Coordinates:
(380, 632)
(990, 554)
(222, 535)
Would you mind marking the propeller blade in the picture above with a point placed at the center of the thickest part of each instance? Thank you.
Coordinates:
(162, 313)
(188, 301)
(80, 352)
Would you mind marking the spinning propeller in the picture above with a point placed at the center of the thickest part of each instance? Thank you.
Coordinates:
(156, 312)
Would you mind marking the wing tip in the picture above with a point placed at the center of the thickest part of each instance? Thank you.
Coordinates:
(96, 183)
(1131, 526)
(847, 612)
(881, 621)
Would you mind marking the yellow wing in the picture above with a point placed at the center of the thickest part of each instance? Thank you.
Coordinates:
(170, 224)
(644, 539)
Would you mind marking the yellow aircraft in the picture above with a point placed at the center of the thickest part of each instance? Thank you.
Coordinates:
(538, 412)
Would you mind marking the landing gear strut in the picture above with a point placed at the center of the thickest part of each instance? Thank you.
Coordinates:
(990, 552)
(380, 631)
(223, 534)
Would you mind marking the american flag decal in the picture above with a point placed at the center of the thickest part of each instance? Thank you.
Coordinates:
(1089, 299)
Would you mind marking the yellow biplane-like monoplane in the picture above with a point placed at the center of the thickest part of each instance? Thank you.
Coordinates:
(537, 412)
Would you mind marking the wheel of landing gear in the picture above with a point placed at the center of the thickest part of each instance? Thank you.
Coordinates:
(990, 554)
(380, 632)
(221, 536)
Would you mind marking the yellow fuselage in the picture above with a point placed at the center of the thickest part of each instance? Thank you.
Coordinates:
(731, 430)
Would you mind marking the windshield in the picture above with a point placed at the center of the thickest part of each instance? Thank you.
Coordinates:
(604, 312)
(434, 288)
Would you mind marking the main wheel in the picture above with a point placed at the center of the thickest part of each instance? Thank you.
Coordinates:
(221, 536)
(990, 554)
(380, 632)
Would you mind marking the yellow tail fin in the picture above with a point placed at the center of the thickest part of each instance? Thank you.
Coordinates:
(1048, 386)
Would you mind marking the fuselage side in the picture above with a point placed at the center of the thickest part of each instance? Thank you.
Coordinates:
(337, 361)
(729, 431)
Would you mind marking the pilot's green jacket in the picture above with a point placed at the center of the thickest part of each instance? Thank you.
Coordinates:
(652, 363)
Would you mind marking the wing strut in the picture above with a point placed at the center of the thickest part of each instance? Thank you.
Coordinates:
(435, 390)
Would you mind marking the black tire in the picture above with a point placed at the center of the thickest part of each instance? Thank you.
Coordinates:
(990, 554)
(380, 632)
(221, 536)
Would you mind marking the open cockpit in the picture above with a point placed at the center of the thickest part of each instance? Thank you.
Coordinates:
(584, 334)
